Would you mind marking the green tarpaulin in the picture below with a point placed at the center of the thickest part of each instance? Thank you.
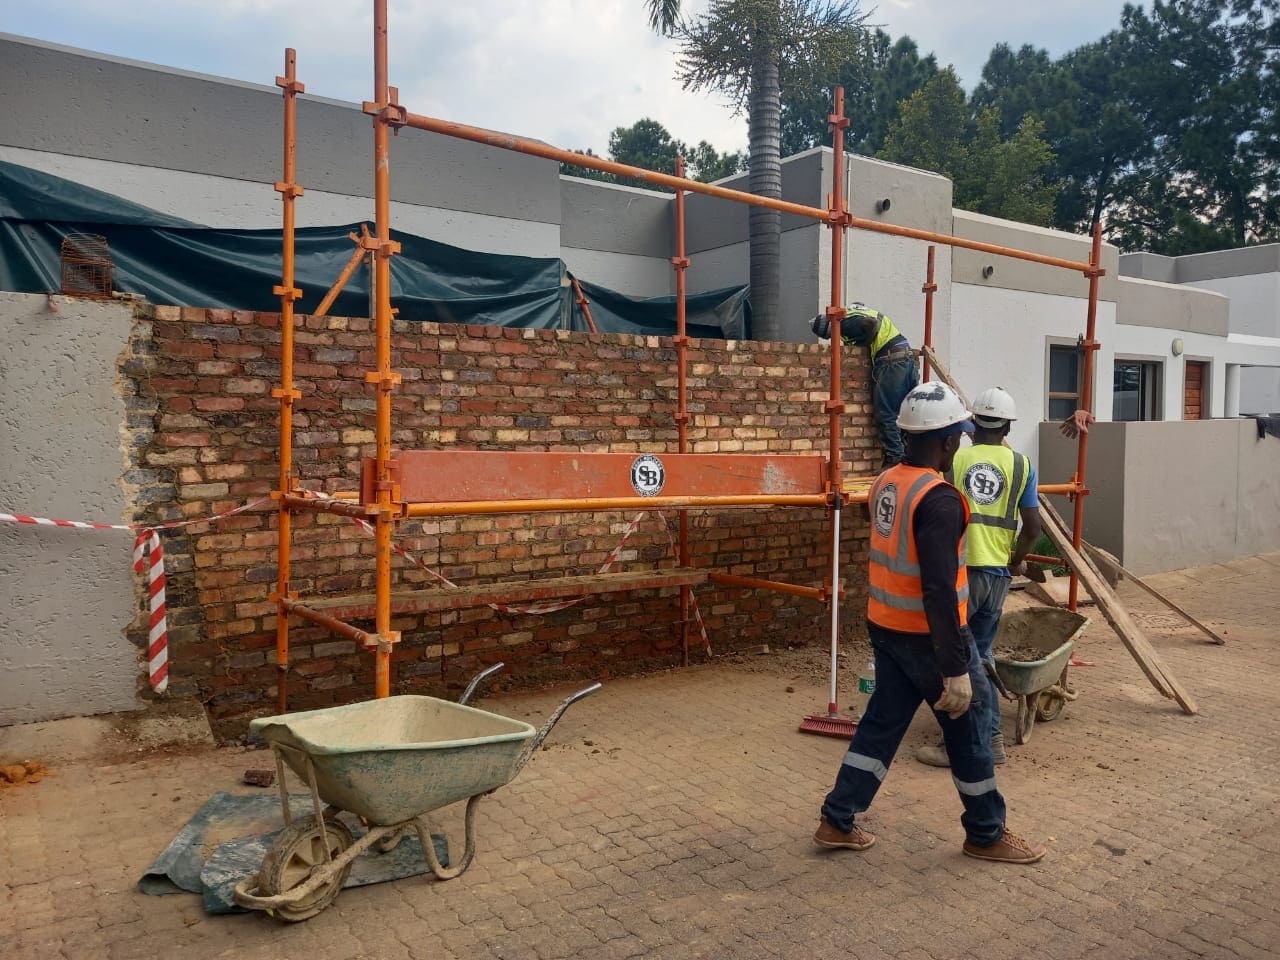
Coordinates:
(168, 260)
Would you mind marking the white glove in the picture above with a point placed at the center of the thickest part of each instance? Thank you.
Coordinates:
(957, 693)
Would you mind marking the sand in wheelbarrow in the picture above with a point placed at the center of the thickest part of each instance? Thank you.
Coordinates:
(1019, 654)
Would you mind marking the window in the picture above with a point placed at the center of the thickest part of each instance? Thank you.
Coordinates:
(1064, 381)
(1137, 390)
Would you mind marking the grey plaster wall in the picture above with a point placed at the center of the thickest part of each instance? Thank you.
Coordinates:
(68, 595)
(967, 265)
(65, 101)
(1104, 515)
(620, 237)
(1146, 303)
(1168, 495)
(711, 222)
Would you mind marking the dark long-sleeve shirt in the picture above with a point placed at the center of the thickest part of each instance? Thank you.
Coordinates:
(939, 524)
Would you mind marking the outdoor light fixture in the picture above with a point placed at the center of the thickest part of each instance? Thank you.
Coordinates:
(882, 206)
(987, 271)
(1177, 346)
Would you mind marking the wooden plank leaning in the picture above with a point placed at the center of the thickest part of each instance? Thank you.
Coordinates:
(1104, 559)
(1131, 635)
(943, 373)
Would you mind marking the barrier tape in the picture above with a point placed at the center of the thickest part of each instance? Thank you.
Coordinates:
(693, 597)
(148, 558)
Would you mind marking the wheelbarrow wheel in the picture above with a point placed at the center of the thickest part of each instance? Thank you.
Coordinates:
(1026, 717)
(1050, 706)
(296, 852)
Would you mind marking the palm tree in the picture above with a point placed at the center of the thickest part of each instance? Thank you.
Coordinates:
(747, 50)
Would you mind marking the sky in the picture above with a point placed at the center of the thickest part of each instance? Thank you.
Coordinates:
(563, 71)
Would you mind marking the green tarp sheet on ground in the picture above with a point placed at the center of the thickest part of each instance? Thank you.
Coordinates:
(169, 260)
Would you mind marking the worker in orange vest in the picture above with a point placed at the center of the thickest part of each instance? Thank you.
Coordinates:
(917, 613)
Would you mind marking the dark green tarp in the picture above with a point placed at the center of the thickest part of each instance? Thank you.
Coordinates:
(168, 260)
(722, 314)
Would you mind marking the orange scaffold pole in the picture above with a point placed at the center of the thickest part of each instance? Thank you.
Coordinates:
(838, 218)
(385, 112)
(286, 393)
(1090, 347)
(681, 263)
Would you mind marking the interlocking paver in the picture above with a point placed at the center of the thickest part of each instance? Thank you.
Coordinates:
(682, 829)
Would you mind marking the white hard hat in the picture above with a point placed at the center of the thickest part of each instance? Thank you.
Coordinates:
(932, 406)
(993, 407)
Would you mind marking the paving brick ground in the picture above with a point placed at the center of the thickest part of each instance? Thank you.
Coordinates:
(683, 830)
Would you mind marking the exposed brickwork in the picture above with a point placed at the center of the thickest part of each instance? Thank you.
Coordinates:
(206, 382)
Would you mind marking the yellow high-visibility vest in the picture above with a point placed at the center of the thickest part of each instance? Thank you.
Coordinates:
(992, 478)
(885, 329)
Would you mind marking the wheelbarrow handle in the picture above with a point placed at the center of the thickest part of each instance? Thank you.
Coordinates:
(994, 674)
(555, 718)
(478, 679)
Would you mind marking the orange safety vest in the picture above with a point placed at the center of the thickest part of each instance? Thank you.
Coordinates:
(895, 598)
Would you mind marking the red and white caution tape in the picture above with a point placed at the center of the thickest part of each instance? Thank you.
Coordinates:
(148, 557)
(693, 598)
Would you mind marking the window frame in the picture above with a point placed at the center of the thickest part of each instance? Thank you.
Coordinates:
(1050, 395)
(1143, 361)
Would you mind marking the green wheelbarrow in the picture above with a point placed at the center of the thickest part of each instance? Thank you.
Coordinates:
(1039, 684)
(389, 762)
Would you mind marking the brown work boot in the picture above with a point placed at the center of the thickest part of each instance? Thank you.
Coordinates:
(832, 836)
(1010, 848)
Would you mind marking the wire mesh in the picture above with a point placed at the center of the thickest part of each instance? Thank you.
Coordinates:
(86, 266)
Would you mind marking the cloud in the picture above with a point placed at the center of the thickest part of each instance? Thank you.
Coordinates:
(564, 71)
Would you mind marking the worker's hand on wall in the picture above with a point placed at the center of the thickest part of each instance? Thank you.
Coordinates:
(1077, 424)
(957, 693)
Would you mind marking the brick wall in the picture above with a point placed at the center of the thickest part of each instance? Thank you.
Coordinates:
(204, 377)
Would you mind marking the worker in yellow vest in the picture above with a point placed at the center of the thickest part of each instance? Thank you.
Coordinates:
(999, 486)
(893, 368)
(917, 613)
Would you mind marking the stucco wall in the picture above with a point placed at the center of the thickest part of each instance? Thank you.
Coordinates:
(620, 237)
(68, 595)
(1177, 494)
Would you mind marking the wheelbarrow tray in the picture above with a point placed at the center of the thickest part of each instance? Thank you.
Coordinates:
(392, 759)
(1050, 630)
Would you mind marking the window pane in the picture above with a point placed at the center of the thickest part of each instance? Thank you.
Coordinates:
(1126, 384)
(1061, 409)
(1064, 370)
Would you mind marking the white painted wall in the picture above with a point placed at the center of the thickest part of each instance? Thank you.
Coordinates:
(1000, 338)
(624, 272)
(1255, 311)
(249, 205)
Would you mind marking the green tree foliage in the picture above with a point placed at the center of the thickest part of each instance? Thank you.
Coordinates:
(882, 74)
(647, 143)
(992, 174)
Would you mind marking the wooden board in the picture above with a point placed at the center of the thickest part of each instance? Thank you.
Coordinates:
(1131, 635)
(436, 599)
(1105, 560)
(1193, 390)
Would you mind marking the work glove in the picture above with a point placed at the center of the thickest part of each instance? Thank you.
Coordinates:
(957, 694)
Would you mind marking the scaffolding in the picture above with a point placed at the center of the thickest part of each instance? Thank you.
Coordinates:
(432, 483)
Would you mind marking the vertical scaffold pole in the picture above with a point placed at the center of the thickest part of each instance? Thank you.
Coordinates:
(288, 293)
(385, 114)
(837, 219)
(681, 263)
(1090, 347)
(929, 289)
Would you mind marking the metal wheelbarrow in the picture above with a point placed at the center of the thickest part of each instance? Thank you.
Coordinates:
(389, 762)
(1039, 686)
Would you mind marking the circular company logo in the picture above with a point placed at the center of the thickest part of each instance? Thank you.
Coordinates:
(648, 475)
(984, 483)
(886, 509)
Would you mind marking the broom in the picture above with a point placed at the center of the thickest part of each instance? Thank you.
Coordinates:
(832, 724)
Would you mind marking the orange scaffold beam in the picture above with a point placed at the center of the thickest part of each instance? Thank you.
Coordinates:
(1090, 346)
(929, 289)
(286, 393)
(505, 141)
(680, 262)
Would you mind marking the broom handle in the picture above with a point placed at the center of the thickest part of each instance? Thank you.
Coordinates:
(835, 603)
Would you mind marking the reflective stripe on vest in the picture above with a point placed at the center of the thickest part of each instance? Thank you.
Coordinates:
(992, 478)
(895, 596)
